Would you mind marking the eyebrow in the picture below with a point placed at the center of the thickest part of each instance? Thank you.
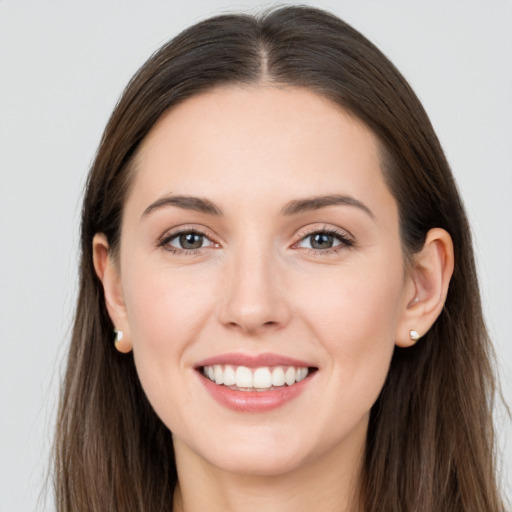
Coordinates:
(186, 203)
(291, 208)
(317, 202)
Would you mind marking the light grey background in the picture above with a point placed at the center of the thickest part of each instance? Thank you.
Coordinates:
(63, 66)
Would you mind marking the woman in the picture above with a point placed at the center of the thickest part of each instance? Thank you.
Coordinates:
(271, 229)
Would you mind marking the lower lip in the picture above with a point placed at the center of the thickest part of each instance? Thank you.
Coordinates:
(253, 401)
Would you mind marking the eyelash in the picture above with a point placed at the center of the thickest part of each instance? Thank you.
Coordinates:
(167, 238)
(342, 237)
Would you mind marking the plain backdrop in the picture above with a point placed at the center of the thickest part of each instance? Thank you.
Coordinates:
(63, 66)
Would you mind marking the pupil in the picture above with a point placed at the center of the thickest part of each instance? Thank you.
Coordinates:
(191, 241)
(321, 241)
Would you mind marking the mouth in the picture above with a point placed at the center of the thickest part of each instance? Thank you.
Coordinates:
(254, 384)
(259, 379)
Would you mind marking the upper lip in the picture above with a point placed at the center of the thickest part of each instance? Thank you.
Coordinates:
(254, 360)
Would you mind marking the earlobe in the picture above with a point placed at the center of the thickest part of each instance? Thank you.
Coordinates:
(108, 273)
(428, 282)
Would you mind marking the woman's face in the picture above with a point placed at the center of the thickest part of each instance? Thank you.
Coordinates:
(260, 243)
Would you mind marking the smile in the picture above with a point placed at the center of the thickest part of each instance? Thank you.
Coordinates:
(259, 383)
(260, 379)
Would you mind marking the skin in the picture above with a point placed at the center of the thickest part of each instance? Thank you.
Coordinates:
(256, 286)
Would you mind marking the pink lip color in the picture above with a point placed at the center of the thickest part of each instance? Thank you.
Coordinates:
(253, 401)
(253, 361)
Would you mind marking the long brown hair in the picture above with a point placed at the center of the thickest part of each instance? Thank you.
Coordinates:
(430, 440)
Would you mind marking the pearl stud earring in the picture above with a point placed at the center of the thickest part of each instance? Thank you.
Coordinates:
(121, 344)
(414, 335)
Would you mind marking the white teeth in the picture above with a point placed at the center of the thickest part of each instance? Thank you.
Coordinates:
(258, 379)
(219, 374)
(262, 378)
(301, 374)
(229, 376)
(278, 376)
(289, 376)
(243, 377)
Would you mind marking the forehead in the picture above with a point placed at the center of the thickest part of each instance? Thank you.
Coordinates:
(235, 142)
(226, 115)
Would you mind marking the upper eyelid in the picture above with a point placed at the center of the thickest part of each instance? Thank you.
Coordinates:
(305, 232)
(187, 228)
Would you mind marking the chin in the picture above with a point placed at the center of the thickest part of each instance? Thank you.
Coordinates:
(266, 455)
(262, 463)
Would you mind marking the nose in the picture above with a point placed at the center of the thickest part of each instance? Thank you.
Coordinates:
(253, 296)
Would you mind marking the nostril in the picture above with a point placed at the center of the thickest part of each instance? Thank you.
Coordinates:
(251, 325)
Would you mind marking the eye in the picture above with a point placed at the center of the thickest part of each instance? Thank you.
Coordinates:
(324, 240)
(319, 241)
(186, 241)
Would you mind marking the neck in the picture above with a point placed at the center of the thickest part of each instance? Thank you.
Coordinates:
(329, 483)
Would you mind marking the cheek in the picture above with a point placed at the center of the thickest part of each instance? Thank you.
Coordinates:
(353, 307)
(164, 307)
(166, 311)
(355, 322)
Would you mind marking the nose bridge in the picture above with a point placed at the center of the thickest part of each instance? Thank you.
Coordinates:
(253, 297)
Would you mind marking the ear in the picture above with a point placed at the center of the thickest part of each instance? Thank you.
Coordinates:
(108, 273)
(426, 287)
